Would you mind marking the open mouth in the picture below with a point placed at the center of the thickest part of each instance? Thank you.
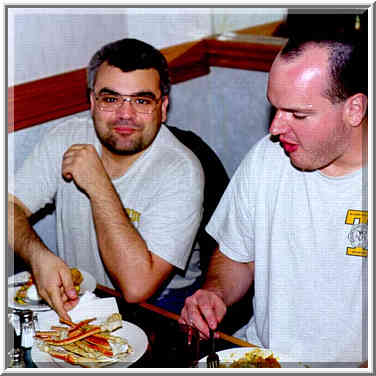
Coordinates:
(289, 147)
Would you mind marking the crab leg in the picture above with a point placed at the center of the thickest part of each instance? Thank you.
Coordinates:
(74, 338)
(78, 325)
(69, 358)
(101, 349)
(67, 322)
(47, 334)
(81, 324)
(97, 340)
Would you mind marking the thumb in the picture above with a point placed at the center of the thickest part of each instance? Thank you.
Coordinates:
(68, 285)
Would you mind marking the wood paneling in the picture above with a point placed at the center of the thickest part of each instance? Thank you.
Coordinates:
(54, 97)
(241, 54)
(187, 61)
(47, 99)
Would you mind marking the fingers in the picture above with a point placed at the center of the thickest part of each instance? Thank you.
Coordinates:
(55, 285)
(204, 309)
(70, 304)
(68, 160)
(56, 300)
(68, 286)
(83, 165)
(58, 304)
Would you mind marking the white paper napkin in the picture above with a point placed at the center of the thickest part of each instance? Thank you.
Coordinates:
(89, 306)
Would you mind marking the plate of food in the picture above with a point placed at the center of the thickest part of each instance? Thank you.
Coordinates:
(103, 342)
(22, 292)
(251, 357)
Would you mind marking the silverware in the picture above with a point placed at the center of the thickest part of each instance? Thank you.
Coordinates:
(212, 360)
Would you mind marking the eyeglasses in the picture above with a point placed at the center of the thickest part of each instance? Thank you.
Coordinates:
(112, 102)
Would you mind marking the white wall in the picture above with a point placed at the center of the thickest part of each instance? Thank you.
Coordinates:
(46, 41)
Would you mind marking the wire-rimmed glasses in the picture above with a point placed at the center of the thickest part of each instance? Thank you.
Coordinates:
(110, 102)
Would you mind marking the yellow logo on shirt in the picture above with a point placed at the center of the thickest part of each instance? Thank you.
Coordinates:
(358, 235)
(133, 215)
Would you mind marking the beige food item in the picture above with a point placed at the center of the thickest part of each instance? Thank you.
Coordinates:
(86, 344)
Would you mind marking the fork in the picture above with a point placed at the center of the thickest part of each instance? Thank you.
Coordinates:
(212, 360)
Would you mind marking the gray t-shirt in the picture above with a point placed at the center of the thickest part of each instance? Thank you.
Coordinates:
(307, 234)
(162, 193)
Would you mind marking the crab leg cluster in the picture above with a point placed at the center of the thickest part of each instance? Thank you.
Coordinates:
(83, 343)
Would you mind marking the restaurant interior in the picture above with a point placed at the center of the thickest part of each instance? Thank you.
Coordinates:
(219, 60)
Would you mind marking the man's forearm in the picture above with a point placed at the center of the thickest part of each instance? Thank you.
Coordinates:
(22, 238)
(228, 279)
(123, 250)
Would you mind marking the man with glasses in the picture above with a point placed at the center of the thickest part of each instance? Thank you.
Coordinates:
(128, 194)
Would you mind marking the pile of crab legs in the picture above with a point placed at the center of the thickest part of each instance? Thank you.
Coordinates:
(83, 343)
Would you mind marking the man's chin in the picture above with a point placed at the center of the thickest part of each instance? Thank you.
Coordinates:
(125, 151)
(301, 166)
(119, 149)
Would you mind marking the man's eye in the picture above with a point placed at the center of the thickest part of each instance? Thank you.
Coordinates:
(144, 101)
(299, 116)
(110, 99)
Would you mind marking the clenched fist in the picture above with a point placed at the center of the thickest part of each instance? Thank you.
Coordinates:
(82, 164)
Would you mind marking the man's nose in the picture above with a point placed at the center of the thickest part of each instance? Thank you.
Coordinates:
(279, 124)
(126, 109)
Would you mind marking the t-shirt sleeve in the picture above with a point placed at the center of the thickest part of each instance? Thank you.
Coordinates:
(35, 183)
(232, 222)
(169, 225)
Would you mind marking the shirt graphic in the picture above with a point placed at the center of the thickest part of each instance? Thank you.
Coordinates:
(358, 233)
(134, 216)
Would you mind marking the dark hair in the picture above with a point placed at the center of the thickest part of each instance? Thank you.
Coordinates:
(345, 36)
(129, 55)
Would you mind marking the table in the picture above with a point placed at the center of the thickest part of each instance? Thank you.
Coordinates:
(160, 326)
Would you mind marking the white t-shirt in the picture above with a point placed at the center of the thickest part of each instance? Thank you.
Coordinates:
(162, 193)
(307, 234)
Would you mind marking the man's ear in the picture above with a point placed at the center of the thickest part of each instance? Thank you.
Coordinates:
(356, 109)
(165, 102)
(92, 100)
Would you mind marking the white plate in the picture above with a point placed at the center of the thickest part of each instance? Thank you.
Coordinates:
(134, 335)
(230, 355)
(88, 284)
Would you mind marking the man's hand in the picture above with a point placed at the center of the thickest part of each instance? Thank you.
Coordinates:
(203, 309)
(82, 164)
(53, 279)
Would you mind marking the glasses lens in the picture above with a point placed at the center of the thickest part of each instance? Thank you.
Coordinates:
(143, 105)
(109, 102)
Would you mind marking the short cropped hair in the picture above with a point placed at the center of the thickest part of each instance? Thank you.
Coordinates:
(128, 55)
(345, 36)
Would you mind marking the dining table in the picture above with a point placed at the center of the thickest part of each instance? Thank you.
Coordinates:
(161, 328)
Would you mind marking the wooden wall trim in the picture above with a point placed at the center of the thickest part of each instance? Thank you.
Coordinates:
(36, 102)
(241, 54)
(46, 99)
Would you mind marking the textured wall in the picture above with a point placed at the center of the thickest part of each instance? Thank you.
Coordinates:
(227, 108)
(46, 41)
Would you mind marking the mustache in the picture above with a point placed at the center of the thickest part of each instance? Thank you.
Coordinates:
(125, 122)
